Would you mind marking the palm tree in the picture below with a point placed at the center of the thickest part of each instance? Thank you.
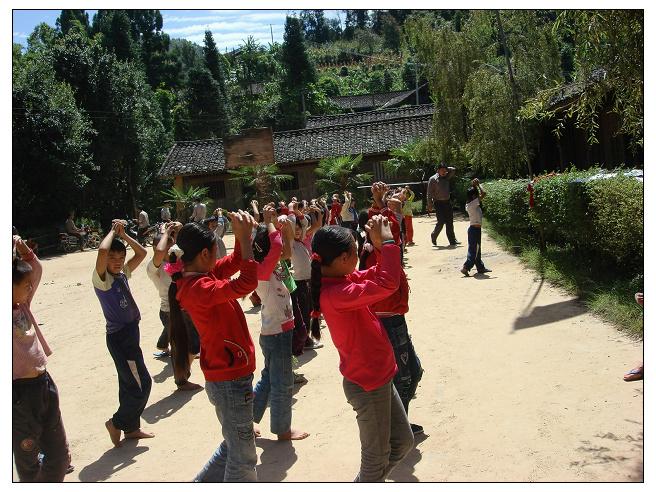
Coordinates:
(264, 180)
(184, 199)
(412, 159)
(339, 174)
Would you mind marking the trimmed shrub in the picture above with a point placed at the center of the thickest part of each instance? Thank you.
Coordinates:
(601, 218)
(506, 204)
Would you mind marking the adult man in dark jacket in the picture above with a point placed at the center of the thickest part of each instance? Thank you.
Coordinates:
(438, 194)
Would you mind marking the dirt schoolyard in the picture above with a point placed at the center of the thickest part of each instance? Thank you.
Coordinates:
(521, 383)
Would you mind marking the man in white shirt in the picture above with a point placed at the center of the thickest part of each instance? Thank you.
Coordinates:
(200, 211)
(165, 214)
(142, 224)
(73, 230)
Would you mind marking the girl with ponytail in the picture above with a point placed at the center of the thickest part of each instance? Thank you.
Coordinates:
(344, 297)
(202, 286)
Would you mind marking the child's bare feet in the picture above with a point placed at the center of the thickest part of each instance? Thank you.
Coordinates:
(189, 386)
(138, 434)
(256, 431)
(293, 435)
(114, 433)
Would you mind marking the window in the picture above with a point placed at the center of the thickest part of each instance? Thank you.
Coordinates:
(216, 189)
(290, 185)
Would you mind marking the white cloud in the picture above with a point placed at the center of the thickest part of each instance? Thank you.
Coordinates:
(20, 35)
(215, 27)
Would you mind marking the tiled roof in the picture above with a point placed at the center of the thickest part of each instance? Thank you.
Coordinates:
(570, 91)
(309, 144)
(368, 116)
(370, 100)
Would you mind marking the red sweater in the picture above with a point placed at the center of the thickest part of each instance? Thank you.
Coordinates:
(227, 350)
(394, 224)
(335, 210)
(365, 353)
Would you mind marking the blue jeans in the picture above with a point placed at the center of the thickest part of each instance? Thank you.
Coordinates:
(235, 458)
(410, 371)
(276, 383)
(474, 249)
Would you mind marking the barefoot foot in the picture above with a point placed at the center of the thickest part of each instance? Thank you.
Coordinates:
(293, 435)
(114, 433)
(189, 386)
(138, 434)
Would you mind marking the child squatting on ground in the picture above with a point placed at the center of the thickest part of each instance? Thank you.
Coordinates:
(473, 206)
(110, 283)
(344, 296)
(277, 380)
(36, 422)
(202, 286)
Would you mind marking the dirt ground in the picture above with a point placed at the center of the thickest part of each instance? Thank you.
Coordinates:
(521, 383)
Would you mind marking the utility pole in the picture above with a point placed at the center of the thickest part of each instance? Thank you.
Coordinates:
(271, 26)
(513, 88)
(416, 85)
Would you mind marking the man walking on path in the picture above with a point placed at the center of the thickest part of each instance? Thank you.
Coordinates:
(438, 196)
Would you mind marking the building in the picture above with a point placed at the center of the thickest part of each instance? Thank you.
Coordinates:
(378, 100)
(297, 152)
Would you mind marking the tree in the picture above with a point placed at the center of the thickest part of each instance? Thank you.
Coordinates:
(339, 174)
(213, 61)
(411, 159)
(315, 27)
(609, 42)
(391, 33)
(184, 199)
(261, 181)
(205, 105)
(68, 17)
(298, 74)
(51, 159)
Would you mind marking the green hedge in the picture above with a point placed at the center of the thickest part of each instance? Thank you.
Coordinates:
(597, 216)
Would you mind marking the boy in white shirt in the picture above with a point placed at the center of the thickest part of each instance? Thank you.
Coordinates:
(473, 206)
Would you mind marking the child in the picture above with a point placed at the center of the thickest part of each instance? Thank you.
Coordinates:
(277, 381)
(366, 357)
(408, 198)
(36, 425)
(300, 256)
(391, 313)
(156, 270)
(202, 287)
(473, 207)
(346, 213)
(110, 282)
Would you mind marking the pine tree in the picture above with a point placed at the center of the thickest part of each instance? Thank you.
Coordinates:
(68, 17)
(213, 61)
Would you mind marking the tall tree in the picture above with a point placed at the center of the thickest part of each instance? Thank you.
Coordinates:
(298, 74)
(68, 17)
(213, 61)
(205, 105)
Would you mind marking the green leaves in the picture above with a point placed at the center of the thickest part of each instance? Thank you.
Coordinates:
(339, 174)
(263, 180)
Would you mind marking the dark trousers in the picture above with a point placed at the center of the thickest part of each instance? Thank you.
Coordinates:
(140, 235)
(300, 328)
(409, 371)
(444, 213)
(163, 340)
(474, 249)
(133, 379)
(37, 427)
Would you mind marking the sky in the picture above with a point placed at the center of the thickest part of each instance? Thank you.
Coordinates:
(230, 28)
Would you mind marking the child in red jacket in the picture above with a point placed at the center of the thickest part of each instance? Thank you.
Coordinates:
(203, 288)
(345, 296)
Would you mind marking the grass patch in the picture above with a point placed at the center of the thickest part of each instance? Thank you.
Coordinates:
(605, 291)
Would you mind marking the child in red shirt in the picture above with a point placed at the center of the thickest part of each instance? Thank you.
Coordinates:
(203, 288)
(345, 296)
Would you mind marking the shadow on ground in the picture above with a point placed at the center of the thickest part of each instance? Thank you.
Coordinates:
(112, 461)
(405, 471)
(276, 459)
(542, 315)
(168, 405)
